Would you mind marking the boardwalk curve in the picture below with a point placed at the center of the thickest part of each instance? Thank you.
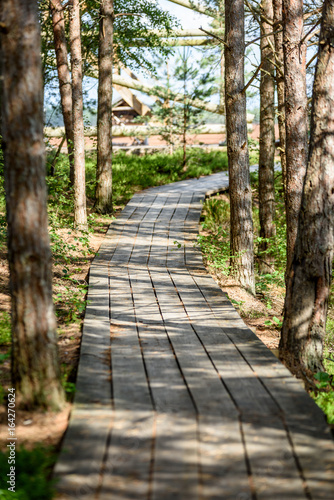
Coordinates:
(176, 397)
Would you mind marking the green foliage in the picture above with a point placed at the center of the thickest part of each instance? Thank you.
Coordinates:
(217, 211)
(67, 375)
(324, 395)
(277, 244)
(71, 304)
(131, 172)
(275, 322)
(195, 82)
(215, 244)
(2, 189)
(32, 468)
(5, 328)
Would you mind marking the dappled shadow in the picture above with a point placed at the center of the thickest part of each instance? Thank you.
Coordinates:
(190, 403)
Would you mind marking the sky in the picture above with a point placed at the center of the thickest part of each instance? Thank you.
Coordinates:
(187, 17)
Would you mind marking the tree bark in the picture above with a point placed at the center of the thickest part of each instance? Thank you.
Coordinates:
(103, 195)
(267, 142)
(309, 280)
(242, 261)
(295, 116)
(64, 76)
(80, 214)
(35, 368)
(277, 4)
(184, 129)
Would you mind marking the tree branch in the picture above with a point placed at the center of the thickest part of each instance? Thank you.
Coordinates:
(253, 77)
(129, 14)
(214, 36)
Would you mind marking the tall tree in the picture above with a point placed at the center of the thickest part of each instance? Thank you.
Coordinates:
(278, 36)
(295, 115)
(267, 140)
(103, 196)
(64, 76)
(35, 368)
(80, 213)
(242, 260)
(310, 277)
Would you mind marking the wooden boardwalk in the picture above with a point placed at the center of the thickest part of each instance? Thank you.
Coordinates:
(176, 398)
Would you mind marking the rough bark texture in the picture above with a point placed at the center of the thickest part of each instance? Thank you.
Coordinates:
(242, 260)
(311, 271)
(103, 196)
(295, 116)
(35, 368)
(277, 4)
(80, 214)
(267, 142)
(64, 76)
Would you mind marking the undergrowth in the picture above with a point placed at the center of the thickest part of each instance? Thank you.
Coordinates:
(32, 471)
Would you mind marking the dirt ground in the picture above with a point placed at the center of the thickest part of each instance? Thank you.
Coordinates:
(48, 428)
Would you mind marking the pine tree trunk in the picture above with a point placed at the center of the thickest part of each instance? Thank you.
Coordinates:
(280, 85)
(80, 215)
(184, 135)
(103, 196)
(35, 367)
(242, 253)
(295, 116)
(64, 76)
(309, 281)
(267, 142)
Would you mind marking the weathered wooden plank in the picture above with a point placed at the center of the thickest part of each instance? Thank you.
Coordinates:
(200, 316)
(211, 398)
(199, 408)
(306, 426)
(78, 470)
(176, 474)
(126, 473)
(274, 470)
(176, 425)
(128, 461)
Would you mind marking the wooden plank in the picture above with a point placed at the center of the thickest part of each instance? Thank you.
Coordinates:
(306, 426)
(196, 306)
(78, 469)
(213, 403)
(274, 470)
(200, 408)
(128, 462)
(176, 425)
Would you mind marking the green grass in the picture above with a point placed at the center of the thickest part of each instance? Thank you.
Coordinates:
(32, 470)
(5, 328)
(132, 173)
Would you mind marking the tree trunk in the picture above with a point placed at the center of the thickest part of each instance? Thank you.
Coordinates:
(184, 132)
(103, 195)
(64, 76)
(35, 368)
(280, 85)
(309, 280)
(267, 142)
(80, 215)
(295, 116)
(242, 261)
